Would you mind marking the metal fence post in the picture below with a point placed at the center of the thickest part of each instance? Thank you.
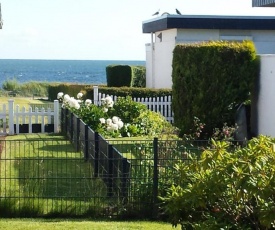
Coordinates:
(155, 178)
(86, 143)
(96, 150)
(124, 179)
(66, 123)
(62, 120)
(110, 171)
(71, 126)
(77, 136)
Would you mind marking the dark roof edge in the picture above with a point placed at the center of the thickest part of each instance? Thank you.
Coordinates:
(208, 22)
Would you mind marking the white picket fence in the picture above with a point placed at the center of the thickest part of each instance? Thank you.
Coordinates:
(11, 117)
(161, 105)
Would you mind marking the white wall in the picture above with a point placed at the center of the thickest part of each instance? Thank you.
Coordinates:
(195, 35)
(263, 109)
(149, 66)
(159, 64)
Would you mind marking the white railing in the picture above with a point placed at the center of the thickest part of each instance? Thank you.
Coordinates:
(160, 105)
(16, 117)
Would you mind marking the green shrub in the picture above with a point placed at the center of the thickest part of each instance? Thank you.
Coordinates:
(138, 76)
(134, 92)
(66, 88)
(34, 88)
(10, 84)
(125, 117)
(127, 109)
(232, 187)
(27, 89)
(209, 81)
(150, 123)
(118, 75)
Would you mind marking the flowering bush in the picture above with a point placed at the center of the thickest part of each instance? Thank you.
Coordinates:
(123, 118)
(94, 116)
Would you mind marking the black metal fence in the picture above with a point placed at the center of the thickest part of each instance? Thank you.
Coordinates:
(48, 178)
(134, 172)
(82, 174)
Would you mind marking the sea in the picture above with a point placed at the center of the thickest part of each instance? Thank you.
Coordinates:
(70, 71)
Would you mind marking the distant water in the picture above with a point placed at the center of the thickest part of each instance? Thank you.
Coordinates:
(73, 71)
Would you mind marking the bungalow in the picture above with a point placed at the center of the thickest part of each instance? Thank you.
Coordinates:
(169, 30)
(263, 3)
(1, 22)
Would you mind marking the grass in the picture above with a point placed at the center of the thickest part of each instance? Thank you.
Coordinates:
(46, 177)
(60, 224)
(21, 101)
(27, 89)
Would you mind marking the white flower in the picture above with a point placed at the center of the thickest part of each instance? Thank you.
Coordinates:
(115, 119)
(77, 106)
(66, 98)
(110, 128)
(108, 121)
(73, 103)
(110, 104)
(79, 95)
(102, 120)
(108, 99)
(60, 95)
(88, 102)
(114, 126)
(120, 124)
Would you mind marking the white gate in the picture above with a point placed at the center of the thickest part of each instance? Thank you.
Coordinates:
(12, 120)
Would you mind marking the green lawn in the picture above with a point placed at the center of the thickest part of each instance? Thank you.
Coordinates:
(67, 224)
(21, 101)
(50, 175)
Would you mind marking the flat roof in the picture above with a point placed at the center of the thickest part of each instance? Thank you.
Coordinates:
(263, 3)
(168, 21)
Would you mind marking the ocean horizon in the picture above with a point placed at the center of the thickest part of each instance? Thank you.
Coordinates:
(70, 71)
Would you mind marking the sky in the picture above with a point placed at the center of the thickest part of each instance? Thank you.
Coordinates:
(95, 29)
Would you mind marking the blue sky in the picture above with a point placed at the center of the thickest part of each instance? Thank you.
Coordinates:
(95, 29)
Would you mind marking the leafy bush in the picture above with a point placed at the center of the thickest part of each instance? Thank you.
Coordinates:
(118, 75)
(123, 118)
(226, 188)
(127, 109)
(139, 76)
(10, 84)
(129, 91)
(210, 80)
(27, 89)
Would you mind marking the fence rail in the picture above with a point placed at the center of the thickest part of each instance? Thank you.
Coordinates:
(161, 105)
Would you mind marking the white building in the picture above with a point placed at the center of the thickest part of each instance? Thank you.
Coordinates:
(1, 22)
(168, 30)
(263, 3)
